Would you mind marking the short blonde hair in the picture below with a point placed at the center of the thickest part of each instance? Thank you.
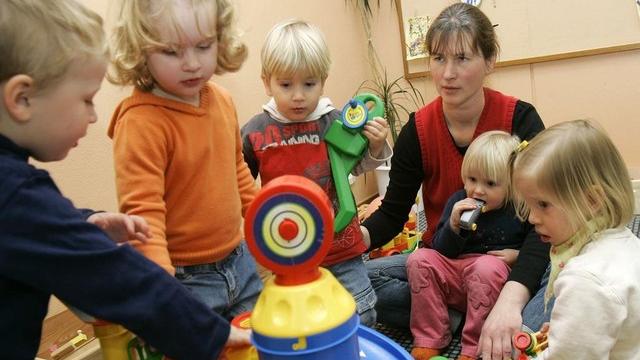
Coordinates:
(577, 165)
(42, 38)
(489, 155)
(135, 34)
(292, 46)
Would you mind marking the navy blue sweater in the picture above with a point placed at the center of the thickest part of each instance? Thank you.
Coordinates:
(47, 247)
(497, 229)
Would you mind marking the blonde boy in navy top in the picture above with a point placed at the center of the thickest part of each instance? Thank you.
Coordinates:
(49, 73)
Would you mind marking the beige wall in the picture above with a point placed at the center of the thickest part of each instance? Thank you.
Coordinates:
(605, 88)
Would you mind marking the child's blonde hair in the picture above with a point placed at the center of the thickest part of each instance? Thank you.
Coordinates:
(42, 38)
(489, 155)
(295, 45)
(136, 33)
(576, 164)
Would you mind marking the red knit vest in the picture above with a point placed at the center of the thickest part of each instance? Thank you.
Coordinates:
(441, 160)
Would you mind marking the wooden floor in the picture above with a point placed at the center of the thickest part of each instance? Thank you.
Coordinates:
(60, 328)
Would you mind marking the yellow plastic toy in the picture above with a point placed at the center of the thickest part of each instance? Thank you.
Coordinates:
(303, 311)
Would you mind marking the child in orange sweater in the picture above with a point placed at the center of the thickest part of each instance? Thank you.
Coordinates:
(177, 149)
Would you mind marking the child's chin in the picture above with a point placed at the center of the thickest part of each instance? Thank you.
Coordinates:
(52, 157)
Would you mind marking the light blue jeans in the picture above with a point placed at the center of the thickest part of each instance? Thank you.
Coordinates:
(230, 286)
(533, 315)
(389, 280)
(352, 274)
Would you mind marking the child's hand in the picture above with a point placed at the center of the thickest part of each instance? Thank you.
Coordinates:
(239, 337)
(509, 256)
(458, 208)
(121, 227)
(544, 330)
(376, 131)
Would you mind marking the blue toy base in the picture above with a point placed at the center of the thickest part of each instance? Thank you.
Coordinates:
(375, 346)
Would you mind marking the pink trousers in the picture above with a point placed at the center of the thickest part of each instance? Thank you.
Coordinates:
(470, 283)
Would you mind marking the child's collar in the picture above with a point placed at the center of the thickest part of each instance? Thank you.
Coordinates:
(324, 107)
(6, 144)
(561, 254)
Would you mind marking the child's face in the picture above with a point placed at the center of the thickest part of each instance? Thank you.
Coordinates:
(296, 96)
(189, 58)
(60, 115)
(478, 186)
(550, 221)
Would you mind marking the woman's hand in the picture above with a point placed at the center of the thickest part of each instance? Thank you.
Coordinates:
(504, 320)
(121, 227)
(376, 132)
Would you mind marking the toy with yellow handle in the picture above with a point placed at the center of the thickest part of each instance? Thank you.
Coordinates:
(346, 146)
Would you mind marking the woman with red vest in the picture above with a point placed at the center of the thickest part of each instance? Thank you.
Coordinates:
(462, 48)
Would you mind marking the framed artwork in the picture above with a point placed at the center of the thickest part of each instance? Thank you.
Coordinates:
(416, 31)
(528, 31)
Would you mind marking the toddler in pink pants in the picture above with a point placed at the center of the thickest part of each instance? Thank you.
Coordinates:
(469, 262)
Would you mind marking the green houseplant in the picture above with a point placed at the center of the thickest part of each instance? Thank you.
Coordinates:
(398, 94)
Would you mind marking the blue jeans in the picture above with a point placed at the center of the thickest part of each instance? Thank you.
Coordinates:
(352, 274)
(230, 286)
(533, 315)
(389, 280)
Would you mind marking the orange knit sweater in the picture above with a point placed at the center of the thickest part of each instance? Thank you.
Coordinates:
(181, 168)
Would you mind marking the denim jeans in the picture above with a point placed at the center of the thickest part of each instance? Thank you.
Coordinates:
(352, 274)
(230, 286)
(534, 314)
(389, 280)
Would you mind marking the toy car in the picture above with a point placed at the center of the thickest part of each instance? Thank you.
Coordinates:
(403, 243)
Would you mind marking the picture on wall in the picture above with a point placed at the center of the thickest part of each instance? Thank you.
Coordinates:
(417, 27)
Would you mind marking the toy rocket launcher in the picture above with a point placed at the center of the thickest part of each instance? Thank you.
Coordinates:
(346, 146)
(303, 309)
(285, 227)
(303, 312)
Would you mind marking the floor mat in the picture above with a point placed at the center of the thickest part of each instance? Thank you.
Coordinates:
(403, 338)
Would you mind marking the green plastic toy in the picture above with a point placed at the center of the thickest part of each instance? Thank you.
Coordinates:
(138, 350)
(346, 146)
